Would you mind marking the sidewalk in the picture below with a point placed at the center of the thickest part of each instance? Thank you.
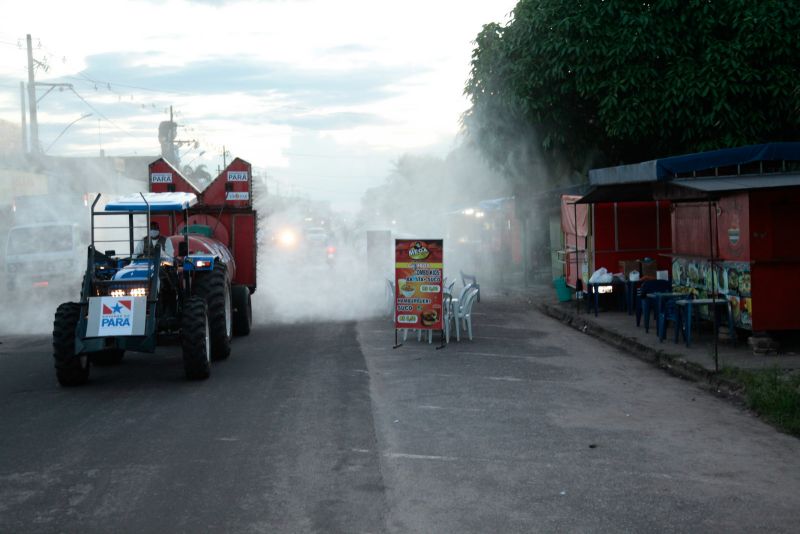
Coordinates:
(619, 329)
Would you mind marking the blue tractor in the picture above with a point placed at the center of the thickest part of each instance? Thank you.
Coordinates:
(179, 284)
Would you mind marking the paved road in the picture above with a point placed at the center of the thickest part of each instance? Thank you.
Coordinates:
(324, 428)
(271, 443)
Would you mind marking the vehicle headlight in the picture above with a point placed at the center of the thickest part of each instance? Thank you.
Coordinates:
(117, 293)
(287, 238)
(138, 292)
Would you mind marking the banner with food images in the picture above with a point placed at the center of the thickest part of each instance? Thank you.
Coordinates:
(418, 283)
(730, 278)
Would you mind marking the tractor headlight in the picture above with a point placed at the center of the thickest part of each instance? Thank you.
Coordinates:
(199, 263)
(138, 292)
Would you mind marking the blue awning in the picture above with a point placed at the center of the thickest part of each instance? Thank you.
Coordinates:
(668, 168)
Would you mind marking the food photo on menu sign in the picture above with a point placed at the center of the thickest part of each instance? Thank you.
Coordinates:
(418, 283)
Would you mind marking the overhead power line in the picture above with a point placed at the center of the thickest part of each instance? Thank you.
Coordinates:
(101, 114)
(127, 86)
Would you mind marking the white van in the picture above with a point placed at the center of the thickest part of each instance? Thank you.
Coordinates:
(46, 255)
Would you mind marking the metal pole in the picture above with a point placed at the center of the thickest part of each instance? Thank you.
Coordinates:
(577, 265)
(23, 122)
(34, 143)
(713, 289)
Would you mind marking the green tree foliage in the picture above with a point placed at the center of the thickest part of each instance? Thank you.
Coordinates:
(635, 80)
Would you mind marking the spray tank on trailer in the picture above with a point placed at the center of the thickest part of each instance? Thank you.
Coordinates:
(224, 217)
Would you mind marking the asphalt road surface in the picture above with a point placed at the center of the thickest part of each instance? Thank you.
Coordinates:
(323, 427)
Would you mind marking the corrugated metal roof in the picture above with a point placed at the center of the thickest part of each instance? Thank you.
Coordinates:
(739, 183)
(686, 189)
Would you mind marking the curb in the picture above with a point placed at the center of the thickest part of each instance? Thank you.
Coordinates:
(673, 364)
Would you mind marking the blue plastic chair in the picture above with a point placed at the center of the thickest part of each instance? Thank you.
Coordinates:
(650, 286)
(670, 313)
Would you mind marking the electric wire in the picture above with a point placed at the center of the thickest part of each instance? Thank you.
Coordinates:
(101, 114)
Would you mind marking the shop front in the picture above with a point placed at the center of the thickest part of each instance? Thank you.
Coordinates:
(733, 225)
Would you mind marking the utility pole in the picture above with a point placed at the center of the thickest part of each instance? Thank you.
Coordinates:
(34, 144)
(167, 131)
(23, 123)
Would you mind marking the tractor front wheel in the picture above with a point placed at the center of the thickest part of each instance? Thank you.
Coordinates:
(242, 311)
(195, 339)
(71, 369)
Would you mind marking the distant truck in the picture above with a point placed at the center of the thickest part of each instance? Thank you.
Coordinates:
(46, 256)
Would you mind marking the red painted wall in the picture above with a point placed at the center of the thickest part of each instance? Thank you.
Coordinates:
(775, 288)
(603, 226)
(690, 230)
(631, 231)
(775, 252)
(775, 230)
(244, 249)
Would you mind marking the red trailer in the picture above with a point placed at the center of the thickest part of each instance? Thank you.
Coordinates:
(225, 207)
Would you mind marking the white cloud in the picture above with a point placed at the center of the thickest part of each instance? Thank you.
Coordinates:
(422, 47)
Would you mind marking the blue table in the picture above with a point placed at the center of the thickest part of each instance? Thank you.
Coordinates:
(685, 315)
(658, 299)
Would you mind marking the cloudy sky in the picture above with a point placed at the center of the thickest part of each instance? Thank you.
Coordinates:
(322, 95)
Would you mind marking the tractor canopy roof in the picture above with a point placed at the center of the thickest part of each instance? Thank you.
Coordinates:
(176, 201)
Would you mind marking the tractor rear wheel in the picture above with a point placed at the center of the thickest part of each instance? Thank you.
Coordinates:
(71, 369)
(108, 357)
(214, 287)
(242, 311)
(195, 339)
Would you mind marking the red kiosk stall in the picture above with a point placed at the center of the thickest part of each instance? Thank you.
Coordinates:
(733, 215)
(614, 235)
